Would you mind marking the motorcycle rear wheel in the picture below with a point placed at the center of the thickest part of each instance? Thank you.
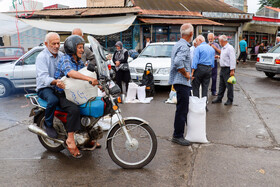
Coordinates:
(133, 156)
(47, 143)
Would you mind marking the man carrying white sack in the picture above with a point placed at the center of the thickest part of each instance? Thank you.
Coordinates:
(180, 75)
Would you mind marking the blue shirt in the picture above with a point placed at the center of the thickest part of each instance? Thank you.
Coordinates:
(243, 45)
(180, 58)
(46, 65)
(65, 65)
(203, 54)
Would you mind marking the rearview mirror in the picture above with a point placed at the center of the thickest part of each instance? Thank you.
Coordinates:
(91, 67)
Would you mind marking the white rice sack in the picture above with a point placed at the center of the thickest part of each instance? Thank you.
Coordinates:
(131, 91)
(196, 127)
(80, 91)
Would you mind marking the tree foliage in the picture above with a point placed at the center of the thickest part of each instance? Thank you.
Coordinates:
(272, 3)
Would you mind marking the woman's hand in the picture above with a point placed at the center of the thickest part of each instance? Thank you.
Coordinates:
(232, 72)
(118, 63)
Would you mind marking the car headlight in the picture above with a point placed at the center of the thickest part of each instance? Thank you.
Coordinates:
(163, 71)
(132, 70)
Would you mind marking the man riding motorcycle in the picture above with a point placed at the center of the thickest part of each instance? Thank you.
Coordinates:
(68, 66)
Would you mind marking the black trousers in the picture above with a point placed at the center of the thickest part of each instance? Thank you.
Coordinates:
(73, 113)
(224, 76)
(182, 109)
(214, 78)
(202, 77)
(123, 76)
(243, 56)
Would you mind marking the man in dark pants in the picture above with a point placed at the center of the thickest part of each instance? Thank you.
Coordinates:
(243, 50)
(202, 64)
(180, 78)
(228, 65)
(217, 49)
(46, 63)
(68, 66)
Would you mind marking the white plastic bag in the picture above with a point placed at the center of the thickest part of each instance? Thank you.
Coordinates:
(141, 93)
(196, 128)
(80, 91)
(131, 91)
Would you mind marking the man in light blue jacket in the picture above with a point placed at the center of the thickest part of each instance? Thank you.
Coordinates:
(46, 63)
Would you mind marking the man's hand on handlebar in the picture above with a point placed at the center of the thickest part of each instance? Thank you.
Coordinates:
(93, 81)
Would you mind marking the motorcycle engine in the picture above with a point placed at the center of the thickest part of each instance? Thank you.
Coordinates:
(96, 132)
(81, 138)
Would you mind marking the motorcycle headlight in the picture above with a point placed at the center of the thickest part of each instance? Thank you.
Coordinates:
(132, 70)
(163, 71)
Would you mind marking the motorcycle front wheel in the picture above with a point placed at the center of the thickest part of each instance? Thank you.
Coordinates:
(47, 143)
(140, 152)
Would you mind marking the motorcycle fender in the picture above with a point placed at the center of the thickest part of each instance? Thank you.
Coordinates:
(125, 119)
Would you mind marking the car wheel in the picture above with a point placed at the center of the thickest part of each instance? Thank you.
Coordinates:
(5, 88)
(270, 75)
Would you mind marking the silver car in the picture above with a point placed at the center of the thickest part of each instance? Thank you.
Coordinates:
(20, 73)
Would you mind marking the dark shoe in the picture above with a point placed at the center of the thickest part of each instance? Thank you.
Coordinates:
(216, 101)
(51, 132)
(181, 141)
(228, 102)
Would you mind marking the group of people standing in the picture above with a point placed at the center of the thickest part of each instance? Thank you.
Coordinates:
(55, 62)
(192, 67)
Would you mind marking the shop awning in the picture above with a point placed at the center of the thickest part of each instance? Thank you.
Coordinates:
(179, 21)
(95, 26)
(10, 25)
(262, 28)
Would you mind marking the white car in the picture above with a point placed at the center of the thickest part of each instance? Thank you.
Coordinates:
(20, 73)
(159, 55)
(269, 62)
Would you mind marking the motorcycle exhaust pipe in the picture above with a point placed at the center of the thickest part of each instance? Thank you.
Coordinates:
(37, 130)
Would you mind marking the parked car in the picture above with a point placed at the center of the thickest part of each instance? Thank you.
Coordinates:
(20, 73)
(9, 54)
(159, 54)
(269, 62)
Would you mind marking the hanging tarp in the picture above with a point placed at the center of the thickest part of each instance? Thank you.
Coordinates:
(95, 26)
(10, 25)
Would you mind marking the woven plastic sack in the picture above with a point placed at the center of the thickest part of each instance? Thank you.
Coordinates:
(131, 91)
(196, 127)
(141, 93)
(80, 91)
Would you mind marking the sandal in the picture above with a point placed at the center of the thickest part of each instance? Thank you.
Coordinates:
(72, 151)
(91, 146)
(92, 143)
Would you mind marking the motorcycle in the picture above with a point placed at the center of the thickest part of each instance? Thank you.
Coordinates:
(131, 142)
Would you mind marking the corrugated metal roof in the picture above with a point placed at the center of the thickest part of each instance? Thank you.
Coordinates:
(179, 21)
(273, 8)
(69, 12)
(170, 12)
(187, 5)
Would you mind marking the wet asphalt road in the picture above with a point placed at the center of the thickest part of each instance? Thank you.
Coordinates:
(244, 145)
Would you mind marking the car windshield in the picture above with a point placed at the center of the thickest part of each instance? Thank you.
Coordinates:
(275, 49)
(157, 51)
(11, 52)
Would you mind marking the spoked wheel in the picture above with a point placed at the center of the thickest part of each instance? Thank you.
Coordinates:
(47, 143)
(139, 152)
